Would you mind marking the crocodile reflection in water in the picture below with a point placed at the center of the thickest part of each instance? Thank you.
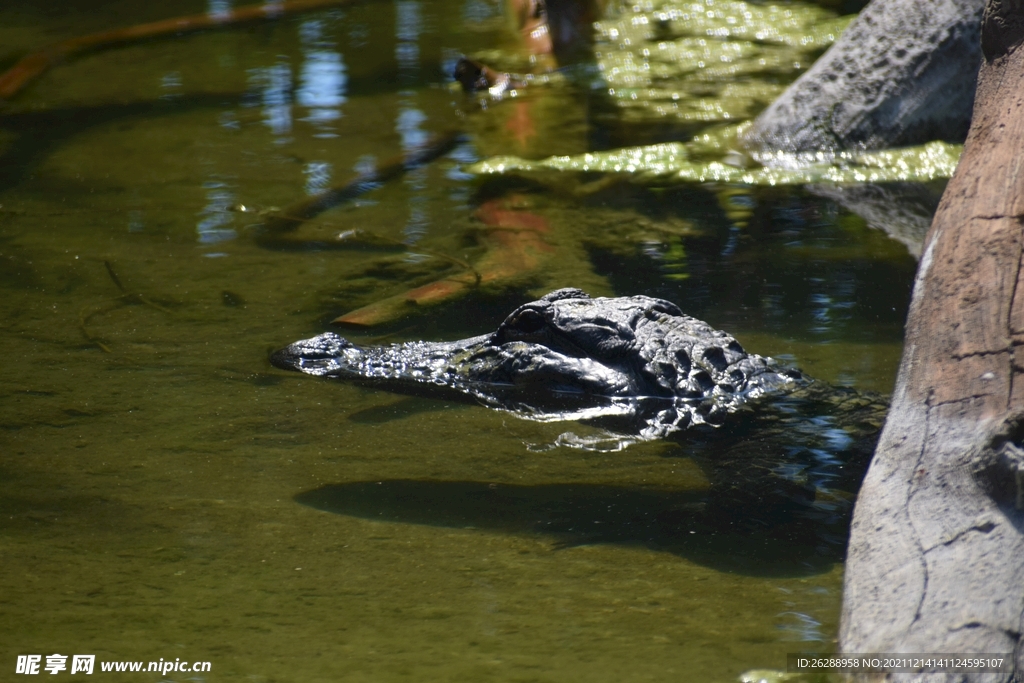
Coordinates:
(640, 367)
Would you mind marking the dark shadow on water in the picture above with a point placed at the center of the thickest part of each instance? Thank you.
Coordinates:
(397, 410)
(38, 133)
(785, 538)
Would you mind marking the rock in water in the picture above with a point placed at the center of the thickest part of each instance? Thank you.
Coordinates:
(903, 73)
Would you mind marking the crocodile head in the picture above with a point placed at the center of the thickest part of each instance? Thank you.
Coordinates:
(571, 356)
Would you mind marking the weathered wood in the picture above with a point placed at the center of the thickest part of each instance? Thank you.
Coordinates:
(936, 557)
(902, 73)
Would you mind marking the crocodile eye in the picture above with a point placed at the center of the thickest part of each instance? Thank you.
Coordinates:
(667, 307)
(528, 321)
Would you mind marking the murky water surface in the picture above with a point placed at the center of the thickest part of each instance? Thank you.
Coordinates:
(166, 493)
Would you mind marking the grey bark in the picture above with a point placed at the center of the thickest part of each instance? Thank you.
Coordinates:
(903, 73)
(936, 555)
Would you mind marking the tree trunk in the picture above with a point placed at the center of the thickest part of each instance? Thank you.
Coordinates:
(936, 557)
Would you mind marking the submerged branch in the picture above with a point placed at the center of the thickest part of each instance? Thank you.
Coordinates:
(298, 213)
(127, 298)
(35, 64)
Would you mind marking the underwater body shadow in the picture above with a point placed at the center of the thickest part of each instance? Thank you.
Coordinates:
(760, 538)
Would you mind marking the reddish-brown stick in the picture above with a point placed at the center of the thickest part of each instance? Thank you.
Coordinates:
(35, 64)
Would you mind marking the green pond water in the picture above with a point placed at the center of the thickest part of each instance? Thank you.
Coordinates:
(166, 493)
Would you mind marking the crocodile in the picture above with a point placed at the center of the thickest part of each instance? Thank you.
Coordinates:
(567, 356)
(641, 369)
